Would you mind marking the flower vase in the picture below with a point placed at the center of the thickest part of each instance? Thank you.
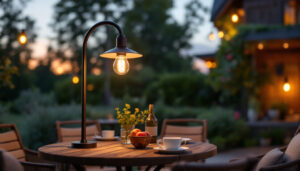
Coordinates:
(125, 131)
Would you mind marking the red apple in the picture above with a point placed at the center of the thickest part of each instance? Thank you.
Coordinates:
(143, 134)
(134, 132)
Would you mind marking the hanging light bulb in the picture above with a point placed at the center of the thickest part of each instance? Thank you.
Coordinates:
(285, 45)
(121, 65)
(286, 86)
(22, 38)
(234, 18)
(260, 46)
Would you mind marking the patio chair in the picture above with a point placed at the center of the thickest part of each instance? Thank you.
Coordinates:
(67, 132)
(239, 165)
(180, 127)
(291, 165)
(11, 142)
(71, 131)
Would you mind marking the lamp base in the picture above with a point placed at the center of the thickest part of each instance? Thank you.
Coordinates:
(88, 144)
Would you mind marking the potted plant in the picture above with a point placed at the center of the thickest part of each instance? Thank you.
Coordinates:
(128, 119)
(278, 111)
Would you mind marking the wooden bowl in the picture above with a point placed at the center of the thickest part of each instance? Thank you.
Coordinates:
(140, 142)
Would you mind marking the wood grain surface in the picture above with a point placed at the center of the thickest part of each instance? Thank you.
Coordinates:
(113, 153)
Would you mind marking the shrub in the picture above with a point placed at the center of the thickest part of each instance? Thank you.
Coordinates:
(39, 129)
(30, 99)
(181, 89)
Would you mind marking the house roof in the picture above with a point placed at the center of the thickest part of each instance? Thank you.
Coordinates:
(219, 7)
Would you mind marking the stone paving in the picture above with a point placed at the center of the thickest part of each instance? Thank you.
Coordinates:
(226, 156)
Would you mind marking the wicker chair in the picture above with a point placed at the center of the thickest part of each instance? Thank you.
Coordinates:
(238, 165)
(174, 127)
(65, 131)
(11, 142)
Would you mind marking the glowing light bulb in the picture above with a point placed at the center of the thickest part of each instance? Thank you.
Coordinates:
(22, 38)
(121, 65)
(221, 34)
(285, 45)
(234, 18)
(75, 80)
(211, 36)
(286, 87)
(260, 46)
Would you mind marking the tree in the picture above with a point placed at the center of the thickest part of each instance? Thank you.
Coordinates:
(13, 57)
(74, 17)
(158, 36)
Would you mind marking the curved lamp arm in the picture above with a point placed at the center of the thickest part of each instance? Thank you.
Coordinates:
(121, 42)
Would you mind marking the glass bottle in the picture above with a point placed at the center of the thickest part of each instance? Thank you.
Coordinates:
(151, 124)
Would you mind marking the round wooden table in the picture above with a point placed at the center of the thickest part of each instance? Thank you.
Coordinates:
(113, 153)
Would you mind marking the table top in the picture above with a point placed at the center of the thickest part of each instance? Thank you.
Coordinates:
(113, 153)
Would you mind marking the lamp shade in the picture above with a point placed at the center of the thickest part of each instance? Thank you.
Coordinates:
(113, 53)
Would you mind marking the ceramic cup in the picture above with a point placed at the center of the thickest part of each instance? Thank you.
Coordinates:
(170, 143)
(108, 133)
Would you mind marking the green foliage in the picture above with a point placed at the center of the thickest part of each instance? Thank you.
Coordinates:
(236, 77)
(223, 129)
(152, 31)
(127, 118)
(30, 100)
(6, 72)
(276, 135)
(67, 92)
(181, 89)
(39, 129)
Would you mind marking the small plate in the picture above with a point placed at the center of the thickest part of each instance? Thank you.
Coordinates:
(100, 138)
(171, 151)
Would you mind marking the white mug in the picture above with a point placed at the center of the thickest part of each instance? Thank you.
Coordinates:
(170, 143)
(108, 133)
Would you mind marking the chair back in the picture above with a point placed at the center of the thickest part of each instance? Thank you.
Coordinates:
(67, 132)
(196, 133)
(11, 142)
(239, 165)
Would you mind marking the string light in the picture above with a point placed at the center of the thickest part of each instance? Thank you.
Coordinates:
(286, 86)
(260, 46)
(211, 36)
(285, 45)
(22, 38)
(75, 79)
(221, 34)
(234, 18)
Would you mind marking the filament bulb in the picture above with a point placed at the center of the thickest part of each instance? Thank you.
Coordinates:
(121, 65)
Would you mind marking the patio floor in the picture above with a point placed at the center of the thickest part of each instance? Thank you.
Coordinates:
(226, 156)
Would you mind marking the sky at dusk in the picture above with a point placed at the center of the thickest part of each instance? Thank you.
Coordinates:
(43, 10)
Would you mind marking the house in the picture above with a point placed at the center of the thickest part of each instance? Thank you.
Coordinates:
(277, 50)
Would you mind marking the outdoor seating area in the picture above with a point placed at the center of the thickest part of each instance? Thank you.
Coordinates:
(149, 85)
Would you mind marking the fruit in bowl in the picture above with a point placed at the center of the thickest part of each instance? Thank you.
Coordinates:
(134, 132)
(140, 140)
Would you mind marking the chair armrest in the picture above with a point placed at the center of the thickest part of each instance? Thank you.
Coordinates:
(32, 156)
(295, 164)
(29, 166)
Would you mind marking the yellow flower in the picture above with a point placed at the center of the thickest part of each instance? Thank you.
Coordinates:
(127, 106)
(137, 110)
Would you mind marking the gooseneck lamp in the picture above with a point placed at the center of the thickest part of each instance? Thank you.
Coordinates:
(121, 66)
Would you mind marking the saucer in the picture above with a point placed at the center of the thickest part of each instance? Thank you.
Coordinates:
(171, 151)
(187, 140)
(100, 138)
